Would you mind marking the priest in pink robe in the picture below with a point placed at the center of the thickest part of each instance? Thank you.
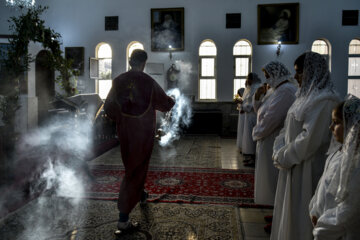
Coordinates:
(132, 103)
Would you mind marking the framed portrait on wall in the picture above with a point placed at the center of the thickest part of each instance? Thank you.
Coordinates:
(76, 54)
(167, 29)
(278, 22)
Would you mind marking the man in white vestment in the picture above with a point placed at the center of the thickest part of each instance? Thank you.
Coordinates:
(300, 149)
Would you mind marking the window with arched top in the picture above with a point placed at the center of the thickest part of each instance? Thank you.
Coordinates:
(354, 68)
(103, 55)
(242, 63)
(131, 47)
(322, 47)
(207, 70)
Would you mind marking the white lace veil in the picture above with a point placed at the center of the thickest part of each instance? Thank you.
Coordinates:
(278, 73)
(256, 82)
(316, 84)
(351, 146)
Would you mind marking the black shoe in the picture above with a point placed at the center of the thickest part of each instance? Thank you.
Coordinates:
(268, 218)
(267, 228)
(249, 164)
(124, 227)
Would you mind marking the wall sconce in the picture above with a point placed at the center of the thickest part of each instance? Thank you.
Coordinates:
(278, 49)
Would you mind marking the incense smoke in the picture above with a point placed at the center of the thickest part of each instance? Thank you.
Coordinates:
(53, 157)
(185, 69)
(179, 116)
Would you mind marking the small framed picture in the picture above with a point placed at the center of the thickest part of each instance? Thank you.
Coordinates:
(77, 55)
(167, 29)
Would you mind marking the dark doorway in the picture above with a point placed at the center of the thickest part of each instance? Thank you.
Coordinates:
(45, 85)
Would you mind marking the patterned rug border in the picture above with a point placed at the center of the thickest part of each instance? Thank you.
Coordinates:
(186, 199)
(167, 169)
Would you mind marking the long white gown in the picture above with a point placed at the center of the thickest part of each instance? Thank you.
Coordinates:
(338, 221)
(270, 119)
(241, 119)
(240, 130)
(336, 202)
(248, 144)
(302, 160)
(324, 200)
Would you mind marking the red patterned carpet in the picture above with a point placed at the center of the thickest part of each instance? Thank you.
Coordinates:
(187, 185)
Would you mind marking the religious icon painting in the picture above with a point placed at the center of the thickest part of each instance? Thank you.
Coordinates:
(278, 23)
(167, 29)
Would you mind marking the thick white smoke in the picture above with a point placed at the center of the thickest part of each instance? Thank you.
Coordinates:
(179, 116)
(59, 152)
(185, 69)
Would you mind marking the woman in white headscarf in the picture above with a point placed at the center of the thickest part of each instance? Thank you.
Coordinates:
(253, 82)
(335, 207)
(300, 149)
(270, 119)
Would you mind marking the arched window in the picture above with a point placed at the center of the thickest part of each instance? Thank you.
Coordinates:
(207, 70)
(131, 47)
(27, 3)
(242, 62)
(322, 46)
(104, 81)
(354, 68)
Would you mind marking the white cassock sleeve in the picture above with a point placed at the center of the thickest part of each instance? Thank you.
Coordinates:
(247, 106)
(333, 223)
(275, 114)
(310, 139)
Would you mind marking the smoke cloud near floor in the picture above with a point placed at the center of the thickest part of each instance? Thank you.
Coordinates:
(52, 161)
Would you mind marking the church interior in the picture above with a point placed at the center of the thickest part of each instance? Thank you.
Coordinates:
(60, 160)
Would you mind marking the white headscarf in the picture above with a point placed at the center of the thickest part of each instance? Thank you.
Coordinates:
(278, 73)
(316, 85)
(255, 84)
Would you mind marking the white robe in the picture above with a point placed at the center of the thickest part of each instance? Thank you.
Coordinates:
(248, 144)
(240, 130)
(335, 221)
(302, 159)
(270, 119)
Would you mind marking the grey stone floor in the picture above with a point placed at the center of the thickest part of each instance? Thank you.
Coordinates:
(96, 219)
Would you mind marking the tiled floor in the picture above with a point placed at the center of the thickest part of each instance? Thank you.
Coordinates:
(206, 151)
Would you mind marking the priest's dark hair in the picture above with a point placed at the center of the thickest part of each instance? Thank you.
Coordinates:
(137, 58)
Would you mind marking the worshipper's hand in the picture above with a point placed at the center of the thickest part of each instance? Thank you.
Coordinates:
(314, 220)
(278, 166)
(238, 107)
(278, 157)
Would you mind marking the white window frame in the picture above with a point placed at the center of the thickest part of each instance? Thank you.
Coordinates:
(353, 77)
(201, 57)
(326, 56)
(94, 67)
(249, 57)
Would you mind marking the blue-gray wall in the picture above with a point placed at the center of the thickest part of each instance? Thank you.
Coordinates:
(81, 23)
